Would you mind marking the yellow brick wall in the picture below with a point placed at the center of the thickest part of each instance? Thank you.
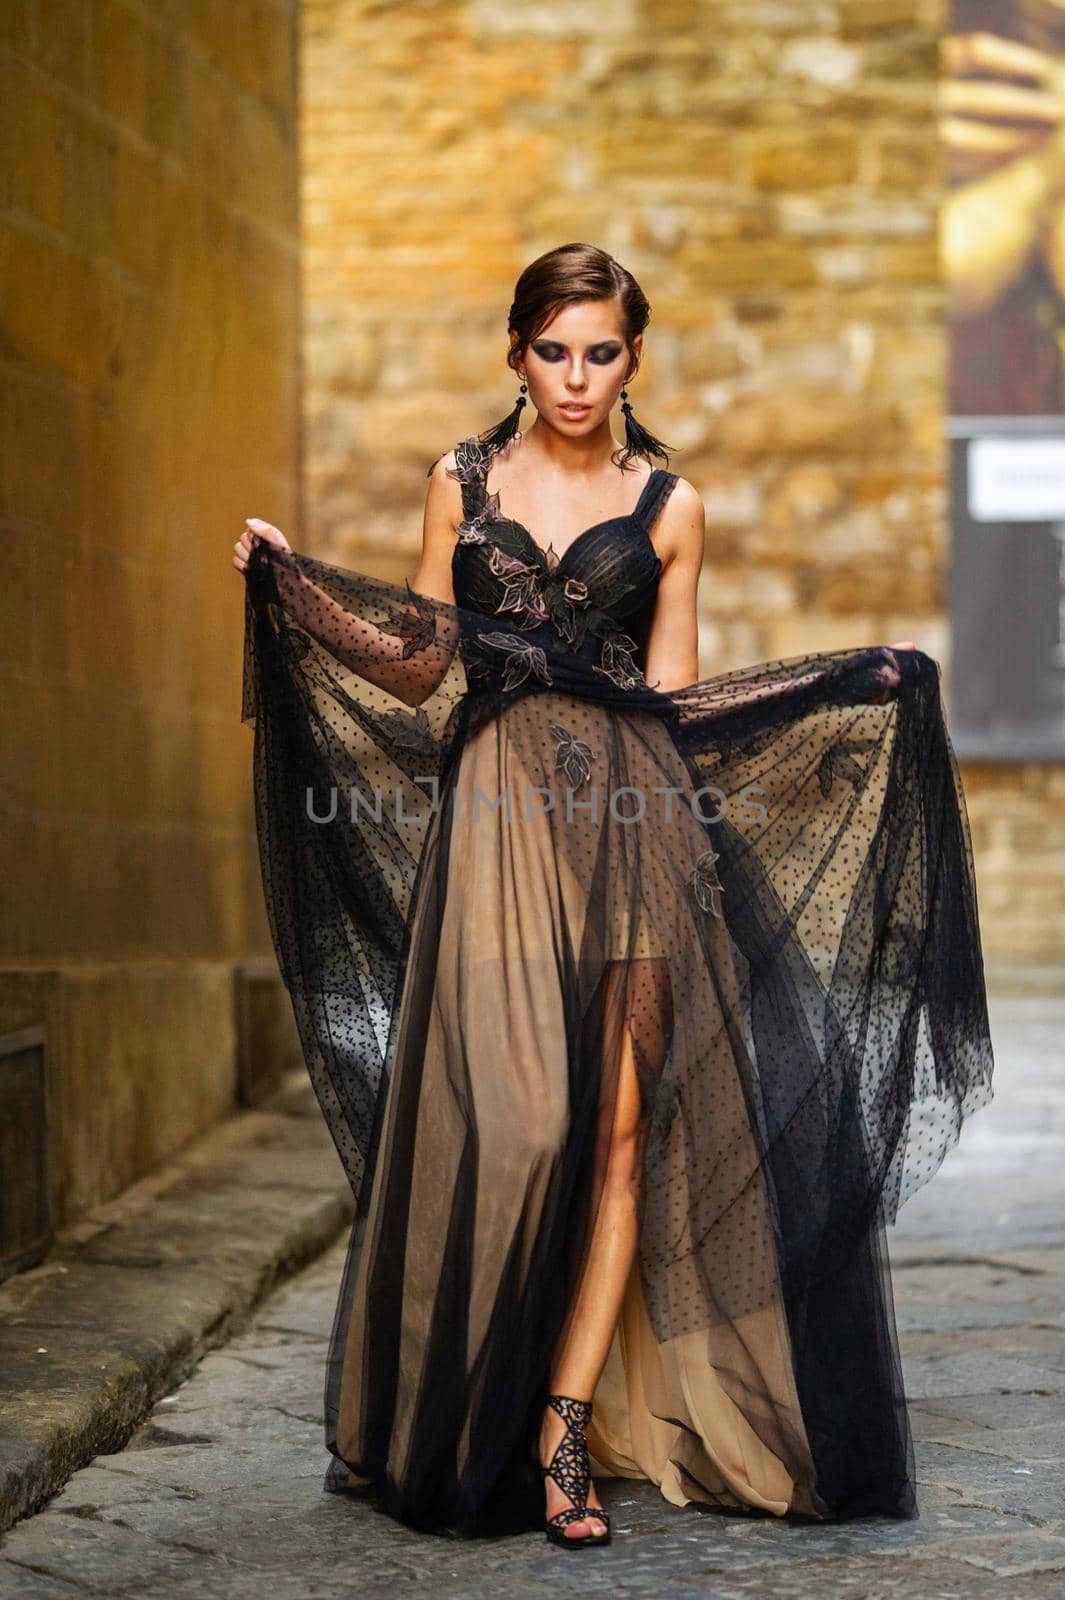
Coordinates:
(769, 171)
(149, 402)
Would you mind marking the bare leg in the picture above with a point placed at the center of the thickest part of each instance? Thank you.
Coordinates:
(582, 1354)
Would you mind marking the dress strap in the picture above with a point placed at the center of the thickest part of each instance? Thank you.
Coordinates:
(656, 492)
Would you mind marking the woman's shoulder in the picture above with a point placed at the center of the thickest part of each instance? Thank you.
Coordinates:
(682, 527)
(679, 496)
(684, 493)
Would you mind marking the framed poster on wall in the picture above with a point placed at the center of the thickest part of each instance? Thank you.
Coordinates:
(1003, 252)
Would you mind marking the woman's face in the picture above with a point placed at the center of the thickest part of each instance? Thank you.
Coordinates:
(578, 364)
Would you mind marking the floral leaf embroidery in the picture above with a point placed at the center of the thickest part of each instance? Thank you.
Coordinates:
(706, 883)
(567, 603)
(473, 530)
(465, 472)
(617, 663)
(838, 762)
(525, 657)
(417, 632)
(572, 755)
(470, 462)
(409, 729)
(521, 593)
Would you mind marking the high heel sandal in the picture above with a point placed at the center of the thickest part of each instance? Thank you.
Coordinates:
(573, 1475)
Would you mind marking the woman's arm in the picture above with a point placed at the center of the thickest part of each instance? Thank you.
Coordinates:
(443, 512)
(672, 651)
(380, 656)
(673, 642)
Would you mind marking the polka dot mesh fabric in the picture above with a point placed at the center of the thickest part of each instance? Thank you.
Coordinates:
(498, 862)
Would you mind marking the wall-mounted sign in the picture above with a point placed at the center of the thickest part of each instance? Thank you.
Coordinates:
(1016, 480)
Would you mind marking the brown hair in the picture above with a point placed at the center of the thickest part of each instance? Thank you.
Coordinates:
(561, 277)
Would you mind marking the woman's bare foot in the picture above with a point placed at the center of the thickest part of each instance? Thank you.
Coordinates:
(551, 1430)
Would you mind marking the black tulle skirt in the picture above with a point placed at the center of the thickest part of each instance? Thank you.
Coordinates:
(759, 891)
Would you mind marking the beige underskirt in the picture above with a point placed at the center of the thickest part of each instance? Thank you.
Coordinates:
(710, 1453)
(644, 1381)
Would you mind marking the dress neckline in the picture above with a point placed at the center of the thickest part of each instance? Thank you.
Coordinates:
(596, 527)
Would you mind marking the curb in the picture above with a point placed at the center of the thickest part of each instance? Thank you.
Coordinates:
(135, 1292)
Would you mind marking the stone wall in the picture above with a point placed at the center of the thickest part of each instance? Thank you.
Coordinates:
(150, 401)
(769, 171)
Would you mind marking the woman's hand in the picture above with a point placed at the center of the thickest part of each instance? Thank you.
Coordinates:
(889, 673)
(255, 528)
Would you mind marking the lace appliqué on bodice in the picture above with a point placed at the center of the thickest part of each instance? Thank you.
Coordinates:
(534, 587)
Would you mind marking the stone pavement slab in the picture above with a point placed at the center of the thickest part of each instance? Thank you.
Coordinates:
(137, 1290)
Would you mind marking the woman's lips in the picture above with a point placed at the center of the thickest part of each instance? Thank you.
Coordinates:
(574, 411)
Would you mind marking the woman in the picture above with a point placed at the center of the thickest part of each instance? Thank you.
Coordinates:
(623, 994)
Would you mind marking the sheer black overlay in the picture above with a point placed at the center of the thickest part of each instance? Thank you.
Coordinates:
(499, 864)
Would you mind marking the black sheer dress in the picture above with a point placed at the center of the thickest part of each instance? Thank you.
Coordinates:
(492, 854)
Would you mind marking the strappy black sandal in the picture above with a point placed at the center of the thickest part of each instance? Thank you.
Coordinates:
(572, 1471)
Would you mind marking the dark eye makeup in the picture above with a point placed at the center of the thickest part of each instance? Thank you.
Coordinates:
(601, 353)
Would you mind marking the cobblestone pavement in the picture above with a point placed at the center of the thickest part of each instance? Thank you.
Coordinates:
(220, 1492)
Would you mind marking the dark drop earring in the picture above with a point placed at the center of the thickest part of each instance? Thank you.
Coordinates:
(638, 442)
(495, 438)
